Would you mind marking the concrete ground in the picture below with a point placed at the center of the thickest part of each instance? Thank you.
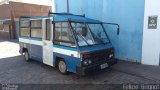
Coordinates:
(14, 69)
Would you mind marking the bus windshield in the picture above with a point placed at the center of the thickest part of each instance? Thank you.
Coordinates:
(90, 34)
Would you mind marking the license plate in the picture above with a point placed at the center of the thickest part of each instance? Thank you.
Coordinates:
(103, 66)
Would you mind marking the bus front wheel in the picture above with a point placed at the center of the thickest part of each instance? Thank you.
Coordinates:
(62, 67)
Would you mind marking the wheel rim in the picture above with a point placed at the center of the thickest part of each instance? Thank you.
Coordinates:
(26, 56)
(62, 66)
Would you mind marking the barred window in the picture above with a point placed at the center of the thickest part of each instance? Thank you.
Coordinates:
(6, 27)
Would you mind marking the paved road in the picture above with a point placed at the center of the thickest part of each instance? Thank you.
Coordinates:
(13, 69)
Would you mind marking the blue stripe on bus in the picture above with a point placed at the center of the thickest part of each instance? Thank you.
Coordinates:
(31, 38)
(38, 39)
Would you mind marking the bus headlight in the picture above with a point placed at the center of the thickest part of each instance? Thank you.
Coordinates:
(111, 55)
(87, 62)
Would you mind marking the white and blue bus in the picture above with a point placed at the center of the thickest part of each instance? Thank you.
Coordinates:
(72, 43)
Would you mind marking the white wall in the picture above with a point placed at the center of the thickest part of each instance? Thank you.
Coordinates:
(53, 6)
(151, 37)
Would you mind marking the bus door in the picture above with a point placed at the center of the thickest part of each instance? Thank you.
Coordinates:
(47, 42)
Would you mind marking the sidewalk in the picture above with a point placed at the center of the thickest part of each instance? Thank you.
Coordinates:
(9, 48)
(144, 71)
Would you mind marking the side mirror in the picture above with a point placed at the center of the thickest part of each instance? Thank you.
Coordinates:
(118, 31)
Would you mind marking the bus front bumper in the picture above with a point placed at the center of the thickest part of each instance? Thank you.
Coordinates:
(94, 68)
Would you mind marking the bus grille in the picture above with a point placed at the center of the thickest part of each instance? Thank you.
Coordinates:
(100, 56)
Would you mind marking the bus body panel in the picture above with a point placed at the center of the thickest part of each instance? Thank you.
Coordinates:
(48, 52)
(36, 52)
(71, 62)
(95, 48)
(33, 46)
(70, 56)
(35, 49)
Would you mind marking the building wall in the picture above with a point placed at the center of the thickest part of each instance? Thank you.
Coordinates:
(60, 5)
(128, 13)
(4, 30)
(4, 35)
(37, 2)
(151, 37)
(6, 11)
(15, 10)
(28, 10)
(1, 26)
(23, 9)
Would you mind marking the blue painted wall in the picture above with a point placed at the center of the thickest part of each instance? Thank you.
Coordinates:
(128, 13)
(60, 5)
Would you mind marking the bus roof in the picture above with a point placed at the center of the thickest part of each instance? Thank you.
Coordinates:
(34, 17)
(64, 17)
(60, 17)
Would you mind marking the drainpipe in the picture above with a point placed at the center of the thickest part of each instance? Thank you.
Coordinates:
(12, 27)
(67, 6)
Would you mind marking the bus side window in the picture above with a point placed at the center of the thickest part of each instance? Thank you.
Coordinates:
(48, 29)
(24, 28)
(63, 35)
(36, 29)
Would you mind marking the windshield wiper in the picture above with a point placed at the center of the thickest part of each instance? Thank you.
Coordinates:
(83, 38)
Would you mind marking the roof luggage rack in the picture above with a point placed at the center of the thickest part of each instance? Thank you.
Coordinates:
(52, 13)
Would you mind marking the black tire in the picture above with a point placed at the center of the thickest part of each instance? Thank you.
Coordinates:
(26, 56)
(62, 67)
